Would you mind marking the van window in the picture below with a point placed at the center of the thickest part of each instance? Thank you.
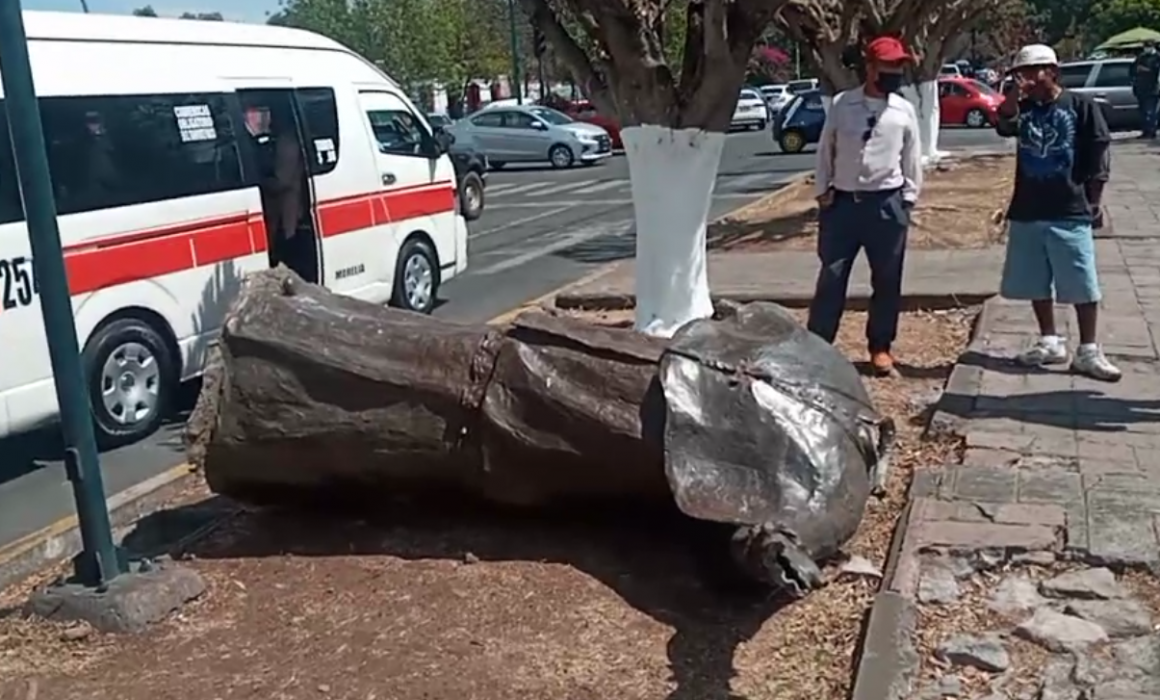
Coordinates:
(1118, 74)
(1074, 76)
(11, 208)
(320, 122)
(397, 131)
(116, 151)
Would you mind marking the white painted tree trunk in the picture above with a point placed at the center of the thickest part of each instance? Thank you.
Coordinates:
(924, 97)
(672, 172)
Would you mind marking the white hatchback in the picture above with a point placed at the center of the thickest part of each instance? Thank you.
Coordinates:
(751, 111)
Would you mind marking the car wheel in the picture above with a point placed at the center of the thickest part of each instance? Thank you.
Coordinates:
(416, 277)
(471, 196)
(496, 164)
(976, 119)
(132, 379)
(792, 141)
(560, 156)
(761, 126)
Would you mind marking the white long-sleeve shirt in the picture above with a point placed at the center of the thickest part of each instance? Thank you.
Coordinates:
(889, 159)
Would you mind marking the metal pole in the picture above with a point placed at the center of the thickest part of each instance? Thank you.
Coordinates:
(797, 61)
(99, 561)
(517, 90)
(85, 6)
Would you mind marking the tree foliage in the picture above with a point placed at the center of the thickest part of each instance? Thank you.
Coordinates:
(826, 28)
(1110, 17)
(669, 62)
(148, 11)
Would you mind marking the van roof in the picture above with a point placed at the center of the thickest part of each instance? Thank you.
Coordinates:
(76, 26)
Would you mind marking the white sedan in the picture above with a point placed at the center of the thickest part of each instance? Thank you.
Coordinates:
(751, 111)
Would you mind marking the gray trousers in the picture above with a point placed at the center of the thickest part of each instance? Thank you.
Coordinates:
(876, 222)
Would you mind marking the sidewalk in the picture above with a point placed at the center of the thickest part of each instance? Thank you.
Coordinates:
(787, 277)
(1009, 575)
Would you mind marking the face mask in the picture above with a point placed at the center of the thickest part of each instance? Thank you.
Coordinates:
(889, 82)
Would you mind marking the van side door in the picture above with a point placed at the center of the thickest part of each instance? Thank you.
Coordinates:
(416, 181)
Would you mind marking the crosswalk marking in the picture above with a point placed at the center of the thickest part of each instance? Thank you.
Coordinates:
(523, 189)
(563, 188)
(601, 186)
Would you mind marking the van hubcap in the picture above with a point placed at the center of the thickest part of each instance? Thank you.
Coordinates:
(130, 383)
(418, 278)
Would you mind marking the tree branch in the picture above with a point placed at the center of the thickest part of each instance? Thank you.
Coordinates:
(593, 77)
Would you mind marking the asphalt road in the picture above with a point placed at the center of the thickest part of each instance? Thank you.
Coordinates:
(541, 229)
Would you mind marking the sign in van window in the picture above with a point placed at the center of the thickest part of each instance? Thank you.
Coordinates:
(195, 123)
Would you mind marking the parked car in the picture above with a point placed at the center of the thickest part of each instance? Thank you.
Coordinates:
(950, 70)
(751, 110)
(533, 134)
(439, 121)
(471, 174)
(776, 96)
(968, 102)
(1109, 82)
(585, 111)
(800, 124)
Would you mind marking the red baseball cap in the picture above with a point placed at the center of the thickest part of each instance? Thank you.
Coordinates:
(887, 49)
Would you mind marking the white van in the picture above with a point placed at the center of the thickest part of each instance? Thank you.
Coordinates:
(187, 154)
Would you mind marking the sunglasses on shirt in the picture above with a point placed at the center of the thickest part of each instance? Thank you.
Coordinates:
(871, 122)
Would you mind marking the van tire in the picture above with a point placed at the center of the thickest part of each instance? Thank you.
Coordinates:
(471, 196)
(150, 367)
(419, 254)
(560, 156)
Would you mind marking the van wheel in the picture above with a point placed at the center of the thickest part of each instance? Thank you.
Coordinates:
(416, 277)
(471, 196)
(133, 377)
(560, 156)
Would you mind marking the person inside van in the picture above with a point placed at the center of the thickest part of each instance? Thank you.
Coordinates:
(280, 174)
(102, 179)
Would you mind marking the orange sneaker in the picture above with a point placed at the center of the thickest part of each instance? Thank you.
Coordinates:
(882, 363)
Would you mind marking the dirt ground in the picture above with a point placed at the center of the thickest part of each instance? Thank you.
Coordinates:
(479, 606)
(961, 206)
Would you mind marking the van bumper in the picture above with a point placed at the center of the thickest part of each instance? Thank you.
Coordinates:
(460, 246)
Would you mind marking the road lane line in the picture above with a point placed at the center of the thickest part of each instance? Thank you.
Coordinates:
(601, 186)
(569, 240)
(524, 189)
(563, 187)
(501, 187)
(520, 222)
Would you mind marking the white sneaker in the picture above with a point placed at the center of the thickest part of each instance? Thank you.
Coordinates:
(1046, 351)
(1090, 361)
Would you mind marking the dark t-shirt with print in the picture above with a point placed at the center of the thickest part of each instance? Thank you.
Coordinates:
(1061, 146)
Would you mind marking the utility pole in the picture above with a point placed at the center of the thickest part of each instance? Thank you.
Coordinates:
(85, 6)
(99, 561)
(517, 90)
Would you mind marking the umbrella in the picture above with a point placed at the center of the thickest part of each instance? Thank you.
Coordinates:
(1131, 39)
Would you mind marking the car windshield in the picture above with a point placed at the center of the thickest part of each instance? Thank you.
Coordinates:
(801, 85)
(551, 116)
(983, 87)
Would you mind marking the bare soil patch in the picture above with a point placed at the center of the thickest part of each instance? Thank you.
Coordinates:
(462, 603)
(961, 206)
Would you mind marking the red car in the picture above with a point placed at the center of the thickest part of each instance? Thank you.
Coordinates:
(968, 102)
(584, 111)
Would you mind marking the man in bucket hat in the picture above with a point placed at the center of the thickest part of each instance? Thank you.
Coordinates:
(1062, 164)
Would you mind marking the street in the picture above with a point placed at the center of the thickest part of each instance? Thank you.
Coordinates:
(541, 229)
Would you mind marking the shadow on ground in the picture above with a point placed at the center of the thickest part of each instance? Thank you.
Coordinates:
(730, 232)
(669, 567)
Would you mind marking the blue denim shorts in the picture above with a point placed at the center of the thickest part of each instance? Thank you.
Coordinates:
(1051, 260)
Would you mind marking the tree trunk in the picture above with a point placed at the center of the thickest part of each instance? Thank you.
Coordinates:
(673, 172)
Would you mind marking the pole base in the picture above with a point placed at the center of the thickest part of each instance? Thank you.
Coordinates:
(129, 603)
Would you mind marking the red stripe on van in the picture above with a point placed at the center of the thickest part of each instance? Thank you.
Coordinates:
(128, 257)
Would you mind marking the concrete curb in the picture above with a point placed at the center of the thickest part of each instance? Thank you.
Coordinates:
(580, 301)
(62, 539)
(555, 296)
(887, 662)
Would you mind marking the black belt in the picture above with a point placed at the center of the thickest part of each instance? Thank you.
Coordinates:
(868, 195)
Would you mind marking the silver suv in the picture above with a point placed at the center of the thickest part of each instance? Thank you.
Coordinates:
(1109, 82)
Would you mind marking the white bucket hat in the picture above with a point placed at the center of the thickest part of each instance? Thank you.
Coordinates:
(1035, 55)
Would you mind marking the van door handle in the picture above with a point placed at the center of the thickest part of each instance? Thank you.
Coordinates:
(388, 178)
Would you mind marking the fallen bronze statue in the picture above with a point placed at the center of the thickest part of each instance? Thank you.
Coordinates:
(747, 419)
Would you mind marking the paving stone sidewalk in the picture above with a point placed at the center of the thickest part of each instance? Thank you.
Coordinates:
(1057, 468)
(787, 277)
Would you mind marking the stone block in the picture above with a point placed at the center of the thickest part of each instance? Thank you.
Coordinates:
(130, 603)
(1044, 486)
(975, 536)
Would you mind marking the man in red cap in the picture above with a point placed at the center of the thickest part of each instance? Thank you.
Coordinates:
(868, 177)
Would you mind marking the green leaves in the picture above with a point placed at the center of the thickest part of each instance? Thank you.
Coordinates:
(447, 41)
(1110, 17)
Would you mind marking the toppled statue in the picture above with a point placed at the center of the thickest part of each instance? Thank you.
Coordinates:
(747, 420)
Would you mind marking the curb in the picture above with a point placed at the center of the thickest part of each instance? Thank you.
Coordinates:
(886, 661)
(854, 302)
(62, 539)
(560, 295)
